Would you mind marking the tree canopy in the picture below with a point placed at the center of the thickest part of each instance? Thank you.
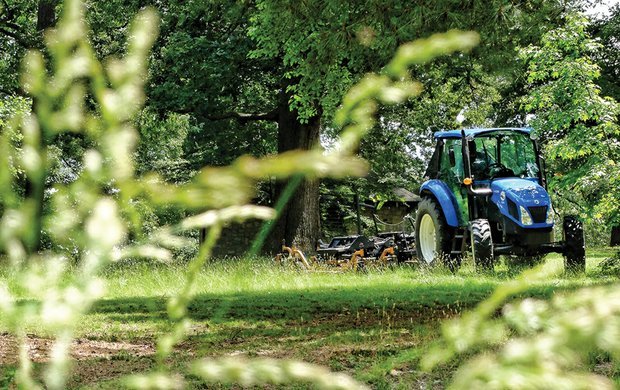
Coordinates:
(578, 123)
(228, 78)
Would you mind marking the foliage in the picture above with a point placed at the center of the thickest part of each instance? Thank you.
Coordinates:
(534, 344)
(607, 30)
(97, 213)
(337, 207)
(11, 108)
(17, 33)
(200, 68)
(610, 265)
(161, 147)
(325, 45)
(577, 124)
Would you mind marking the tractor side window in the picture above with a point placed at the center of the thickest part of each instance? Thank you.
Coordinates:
(432, 170)
(451, 167)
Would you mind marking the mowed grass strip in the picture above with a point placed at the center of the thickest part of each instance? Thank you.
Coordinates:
(374, 326)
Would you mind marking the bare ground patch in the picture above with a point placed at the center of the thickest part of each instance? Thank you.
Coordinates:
(81, 349)
(97, 360)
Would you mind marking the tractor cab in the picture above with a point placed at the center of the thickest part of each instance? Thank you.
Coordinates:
(494, 155)
(486, 187)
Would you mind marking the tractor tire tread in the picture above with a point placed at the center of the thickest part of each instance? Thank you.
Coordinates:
(482, 245)
(574, 241)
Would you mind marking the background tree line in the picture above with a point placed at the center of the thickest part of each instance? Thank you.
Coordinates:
(228, 78)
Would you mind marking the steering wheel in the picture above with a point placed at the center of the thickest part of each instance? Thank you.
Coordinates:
(523, 173)
(501, 170)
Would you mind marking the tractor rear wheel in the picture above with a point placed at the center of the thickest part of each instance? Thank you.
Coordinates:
(574, 245)
(482, 245)
(433, 237)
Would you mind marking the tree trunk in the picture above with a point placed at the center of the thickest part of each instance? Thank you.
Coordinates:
(46, 15)
(299, 223)
(615, 236)
(35, 187)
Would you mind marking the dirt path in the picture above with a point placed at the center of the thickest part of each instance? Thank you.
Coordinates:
(81, 349)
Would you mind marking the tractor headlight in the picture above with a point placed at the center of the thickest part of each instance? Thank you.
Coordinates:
(525, 216)
(550, 215)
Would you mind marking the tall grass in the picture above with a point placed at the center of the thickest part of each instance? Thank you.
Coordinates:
(267, 292)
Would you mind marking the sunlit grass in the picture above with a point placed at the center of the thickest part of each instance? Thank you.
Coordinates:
(262, 275)
(134, 304)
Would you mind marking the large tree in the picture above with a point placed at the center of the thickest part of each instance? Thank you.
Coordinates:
(578, 125)
(324, 46)
(22, 23)
(278, 87)
(607, 30)
(263, 76)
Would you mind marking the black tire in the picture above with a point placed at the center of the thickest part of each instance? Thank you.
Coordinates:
(574, 245)
(482, 245)
(436, 251)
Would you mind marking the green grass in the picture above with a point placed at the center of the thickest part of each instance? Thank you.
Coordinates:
(374, 326)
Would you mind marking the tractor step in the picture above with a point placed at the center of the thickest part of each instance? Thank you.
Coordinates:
(458, 242)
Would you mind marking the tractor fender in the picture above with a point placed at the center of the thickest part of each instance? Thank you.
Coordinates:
(446, 200)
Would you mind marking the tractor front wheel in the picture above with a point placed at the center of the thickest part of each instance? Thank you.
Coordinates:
(574, 245)
(482, 245)
(434, 236)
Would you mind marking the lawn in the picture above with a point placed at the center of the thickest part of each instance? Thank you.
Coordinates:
(374, 326)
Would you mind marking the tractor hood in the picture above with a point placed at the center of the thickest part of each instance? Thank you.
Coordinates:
(512, 195)
(524, 192)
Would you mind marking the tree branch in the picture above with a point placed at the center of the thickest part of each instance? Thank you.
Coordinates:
(569, 200)
(11, 25)
(9, 92)
(10, 12)
(20, 41)
(262, 116)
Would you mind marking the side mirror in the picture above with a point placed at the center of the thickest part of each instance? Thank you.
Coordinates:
(451, 157)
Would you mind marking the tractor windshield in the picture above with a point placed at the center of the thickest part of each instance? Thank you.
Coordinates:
(503, 154)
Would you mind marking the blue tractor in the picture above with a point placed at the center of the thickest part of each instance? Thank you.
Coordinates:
(486, 189)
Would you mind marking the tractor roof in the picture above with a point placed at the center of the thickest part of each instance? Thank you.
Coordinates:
(477, 132)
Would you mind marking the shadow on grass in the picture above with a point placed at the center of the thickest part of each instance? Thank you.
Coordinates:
(416, 302)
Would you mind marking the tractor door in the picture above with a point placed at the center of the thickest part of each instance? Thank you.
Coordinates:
(452, 173)
(432, 171)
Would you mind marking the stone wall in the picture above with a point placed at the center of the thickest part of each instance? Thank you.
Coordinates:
(237, 239)
(393, 213)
